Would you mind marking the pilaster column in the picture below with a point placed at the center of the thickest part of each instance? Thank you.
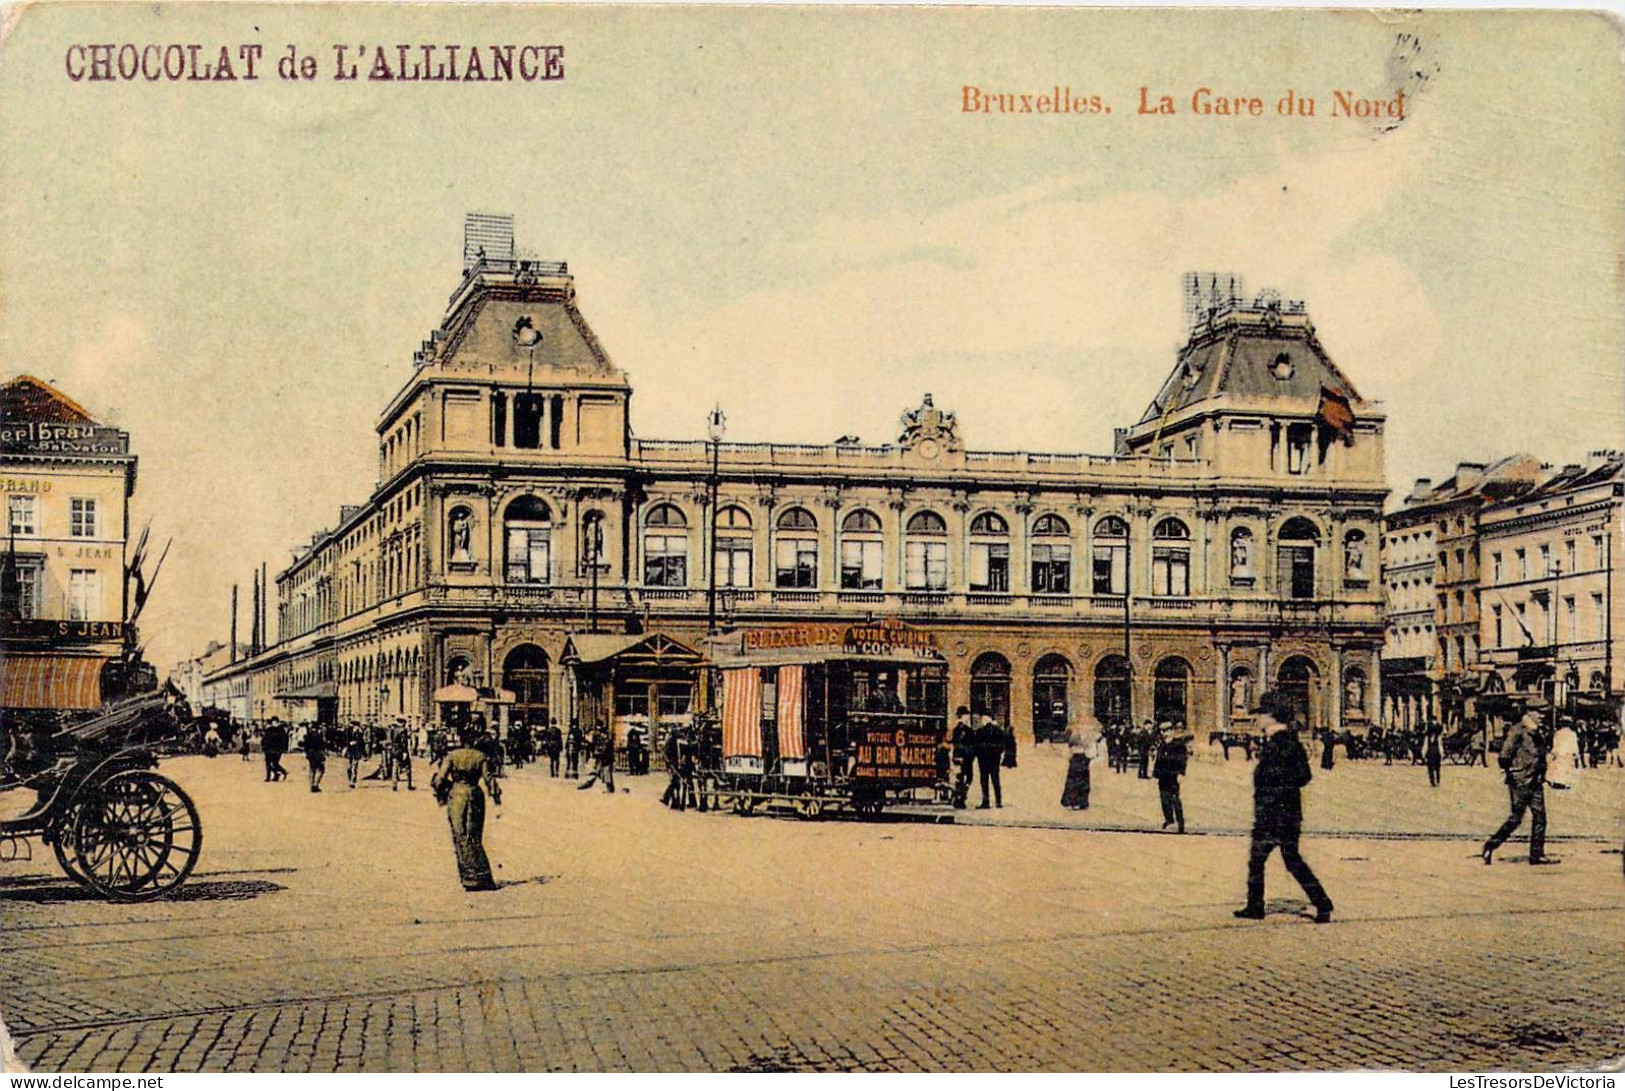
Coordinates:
(1222, 686)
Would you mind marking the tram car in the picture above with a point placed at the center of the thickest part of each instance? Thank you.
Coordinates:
(851, 725)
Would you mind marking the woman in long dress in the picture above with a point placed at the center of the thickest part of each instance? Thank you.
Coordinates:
(1084, 743)
(458, 783)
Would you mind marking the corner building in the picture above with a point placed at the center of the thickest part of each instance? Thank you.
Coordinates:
(1231, 542)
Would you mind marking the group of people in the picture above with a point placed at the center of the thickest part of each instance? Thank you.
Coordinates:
(1165, 750)
(973, 748)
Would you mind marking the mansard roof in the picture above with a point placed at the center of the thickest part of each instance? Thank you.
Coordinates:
(1252, 352)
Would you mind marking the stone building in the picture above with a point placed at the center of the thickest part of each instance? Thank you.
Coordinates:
(1551, 623)
(67, 479)
(1431, 572)
(518, 521)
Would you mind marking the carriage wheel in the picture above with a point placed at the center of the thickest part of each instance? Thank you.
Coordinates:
(812, 807)
(61, 838)
(137, 836)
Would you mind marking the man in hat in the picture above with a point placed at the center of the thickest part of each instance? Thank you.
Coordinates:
(1523, 761)
(989, 752)
(1278, 781)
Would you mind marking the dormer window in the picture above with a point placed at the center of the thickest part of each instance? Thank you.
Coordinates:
(1282, 368)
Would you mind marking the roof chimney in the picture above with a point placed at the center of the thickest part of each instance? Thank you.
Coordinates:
(1423, 484)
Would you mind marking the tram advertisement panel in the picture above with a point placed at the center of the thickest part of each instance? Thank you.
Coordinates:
(894, 753)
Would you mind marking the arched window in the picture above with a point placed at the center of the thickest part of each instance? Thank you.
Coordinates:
(1171, 693)
(524, 671)
(1354, 692)
(1171, 559)
(1355, 572)
(1112, 690)
(925, 553)
(1242, 572)
(1111, 556)
(665, 547)
(1296, 681)
(990, 688)
(1597, 680)
(863, 552)
(460, 536)
(795, 550)
(989, 553)
(733, 547)
(1241, 692)
(1051, 556)
(527, 527)
(1295, 557)
(1052, 677)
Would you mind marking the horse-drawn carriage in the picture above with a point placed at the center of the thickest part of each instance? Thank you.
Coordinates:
(117, 826)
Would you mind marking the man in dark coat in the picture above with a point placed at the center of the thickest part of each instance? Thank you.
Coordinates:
(989, 753)
(1278, 781)
(964, 754)
(1173, 759)
(1523, 760)
(274, 742)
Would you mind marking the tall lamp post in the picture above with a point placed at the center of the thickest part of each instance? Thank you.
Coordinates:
(593, 531)
(716, 425)
(1551, 615)
(1128, 624)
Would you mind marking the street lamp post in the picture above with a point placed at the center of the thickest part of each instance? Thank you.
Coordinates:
(1128, 652)
(1551, 621)
(716, 425)
(594, 530)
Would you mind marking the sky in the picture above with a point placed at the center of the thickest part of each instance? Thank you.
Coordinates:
(787, 211)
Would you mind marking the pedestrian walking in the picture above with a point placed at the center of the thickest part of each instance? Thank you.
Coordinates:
(1328, 748)
(603, 748)
(400, 746)
(963, 744)
(1173, 757)
(1523, 761)
(1433, 752)
(274, 743)
(989, 753)
(315, 747)
(461, 782)
(242, 742)
(1085, 742)
(553, 741)
(355, 748)
(1278, 782)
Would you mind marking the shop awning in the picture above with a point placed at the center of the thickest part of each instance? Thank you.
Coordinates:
(319, 691)
(47, 680)
(582, 649)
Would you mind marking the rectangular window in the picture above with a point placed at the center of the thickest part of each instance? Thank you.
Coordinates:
(1545, 560)
(30, 579)
(1523, 565)
(1523, 624)
(1570, 555)
(1572, 617)
(1598, 613)
(1298, 439)
(1297, 566)
(1500, 639)
(674, 700)
(1495, 560)
(24, 516)
(795, 562)
(926, 566)
(1597, 559)
(1052, 569)
(1111, 570)
(862, 565)
(733, 562)
(665, 560)
(1170, 572)
(84, 594)
(84, 518)
(989, 566)
(529, 551)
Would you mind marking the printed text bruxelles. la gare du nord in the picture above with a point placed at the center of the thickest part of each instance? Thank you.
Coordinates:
(193, 62)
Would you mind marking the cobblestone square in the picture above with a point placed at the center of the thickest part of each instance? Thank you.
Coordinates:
(328, 933)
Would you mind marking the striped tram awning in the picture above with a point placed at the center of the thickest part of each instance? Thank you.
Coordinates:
(742, 713)
(46, 680)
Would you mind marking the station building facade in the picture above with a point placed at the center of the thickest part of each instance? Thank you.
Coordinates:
(1228, 544)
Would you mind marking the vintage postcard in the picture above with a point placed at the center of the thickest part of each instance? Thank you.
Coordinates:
(811, 539)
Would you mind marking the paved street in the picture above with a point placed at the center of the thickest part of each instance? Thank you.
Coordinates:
(328, 931)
